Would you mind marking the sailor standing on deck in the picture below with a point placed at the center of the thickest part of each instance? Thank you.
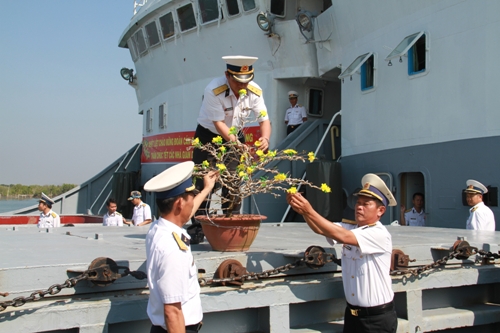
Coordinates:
(112, 217)
(174, 300)
(481, 217)
(227, 102)
(48, 218)
(142, 211)
(296, 114)
(414, 217)
(366, 256)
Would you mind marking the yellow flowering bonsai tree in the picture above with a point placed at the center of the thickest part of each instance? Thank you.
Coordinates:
(238, 164)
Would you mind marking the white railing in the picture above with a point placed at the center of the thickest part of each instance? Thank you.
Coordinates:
(138, 4)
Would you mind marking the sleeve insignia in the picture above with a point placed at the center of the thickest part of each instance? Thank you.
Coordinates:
(219, 90)
(255, 90)
(54, 215)
(179, 242)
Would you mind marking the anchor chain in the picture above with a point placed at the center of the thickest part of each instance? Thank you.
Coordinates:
(461, 250)
(314, 257)
(102, 271)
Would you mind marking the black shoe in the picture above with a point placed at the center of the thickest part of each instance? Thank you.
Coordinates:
(196, 234)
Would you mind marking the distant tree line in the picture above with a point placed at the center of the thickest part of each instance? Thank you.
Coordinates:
(15, 191)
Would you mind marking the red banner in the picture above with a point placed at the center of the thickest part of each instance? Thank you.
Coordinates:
(176, 147)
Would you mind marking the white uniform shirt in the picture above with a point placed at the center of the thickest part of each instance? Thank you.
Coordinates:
(172, 274)
(414, 218)
(115, 219)
(142, 212)
(481, 218)
(365, 269)
(229, 108)
(51, 220)
(294, 114)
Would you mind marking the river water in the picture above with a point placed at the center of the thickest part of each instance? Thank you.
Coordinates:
(10, 205)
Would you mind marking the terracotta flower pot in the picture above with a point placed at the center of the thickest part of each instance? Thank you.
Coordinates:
(231, 234)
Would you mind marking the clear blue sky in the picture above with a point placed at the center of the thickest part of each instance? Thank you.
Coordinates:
(65, 111)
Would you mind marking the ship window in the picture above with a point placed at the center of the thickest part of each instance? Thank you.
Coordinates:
(278, 7)
(139, 41)
(416, 57)
(167, 25)
(248, 5)
(367, 73)
(162, 116)
(132, 48)
(152, 34)
(404, 46)
(355, 65)
(186, 17)
(149, 120)
(315, 102)
(232, 7)
(209, 10)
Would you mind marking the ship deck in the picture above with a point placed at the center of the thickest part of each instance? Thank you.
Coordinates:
(302, 300)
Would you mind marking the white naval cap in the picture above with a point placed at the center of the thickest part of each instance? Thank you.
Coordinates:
(473, 186)
(172, 182)
(46, 199)
(375, 187)
(240, 67)
(292, 94)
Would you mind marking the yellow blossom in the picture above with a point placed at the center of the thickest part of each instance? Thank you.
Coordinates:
(262, 114)
(249, 170)
(222, 149)
(217, 139)
(271, 153)
(195, 142)
(233, 130)
(259, 153)
(205, 164)
(242, 158)
(289, 152)
(280, 177)
(240, 167)
(257, 143)
(221, 167)
(242, 92)
(242, 174)
(311, 157)
(292, 190)
(325, 188)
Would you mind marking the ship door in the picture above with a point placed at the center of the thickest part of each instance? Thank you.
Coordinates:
(411, 183)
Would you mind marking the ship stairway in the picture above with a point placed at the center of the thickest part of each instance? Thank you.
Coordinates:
(315, 136)
(90, 197)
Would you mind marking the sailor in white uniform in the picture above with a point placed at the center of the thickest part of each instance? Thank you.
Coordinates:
(366, 256)
(414, 217)
(229, 101)
(296, 114)
(481, 216)
(112, 217)
(142, 211)
(48, 218)
(174, 299)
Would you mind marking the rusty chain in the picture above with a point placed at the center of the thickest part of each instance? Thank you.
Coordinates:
(101, 275)
(314, 257)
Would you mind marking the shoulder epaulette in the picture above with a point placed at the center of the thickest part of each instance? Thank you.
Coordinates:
(179, 242)
(219, 90)
(143, 204)
(54, 215)
(369, 225)
(255, 90)
(118, 214)
(474, 209)
(408, 210)
(299, 105)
